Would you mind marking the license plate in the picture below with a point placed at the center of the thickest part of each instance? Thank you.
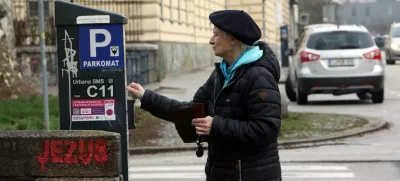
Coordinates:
(340, 62)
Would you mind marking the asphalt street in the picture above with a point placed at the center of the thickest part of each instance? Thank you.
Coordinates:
(369, 157)
(379, 146)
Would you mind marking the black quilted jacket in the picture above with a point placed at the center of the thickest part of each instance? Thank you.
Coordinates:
(247, 118)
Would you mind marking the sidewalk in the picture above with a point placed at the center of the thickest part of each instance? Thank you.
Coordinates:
(181, 88)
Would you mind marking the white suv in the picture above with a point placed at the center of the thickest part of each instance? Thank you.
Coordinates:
(336, 59)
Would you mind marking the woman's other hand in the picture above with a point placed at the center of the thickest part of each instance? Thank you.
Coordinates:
(203, 125)
(136, 90)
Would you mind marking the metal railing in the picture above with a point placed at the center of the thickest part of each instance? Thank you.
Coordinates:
(138, 66)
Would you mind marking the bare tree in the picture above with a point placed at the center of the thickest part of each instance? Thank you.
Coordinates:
(12, 84)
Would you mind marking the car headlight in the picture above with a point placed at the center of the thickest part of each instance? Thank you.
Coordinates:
(395, 46)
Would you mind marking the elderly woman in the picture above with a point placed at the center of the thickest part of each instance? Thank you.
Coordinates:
(242, 103)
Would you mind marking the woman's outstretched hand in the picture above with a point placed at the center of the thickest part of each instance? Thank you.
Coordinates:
(203, 125)
(136, 90)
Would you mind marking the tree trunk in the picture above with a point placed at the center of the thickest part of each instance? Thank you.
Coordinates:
(12, 84)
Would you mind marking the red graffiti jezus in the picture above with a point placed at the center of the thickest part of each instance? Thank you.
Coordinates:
(53, 151)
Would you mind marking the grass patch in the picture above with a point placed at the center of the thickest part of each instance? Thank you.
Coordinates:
(147, 129)
(308, 125)
(26, 113)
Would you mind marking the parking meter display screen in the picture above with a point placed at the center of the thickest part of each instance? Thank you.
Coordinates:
(93, 99)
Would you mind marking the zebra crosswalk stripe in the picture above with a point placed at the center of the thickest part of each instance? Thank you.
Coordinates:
(197, 172)
(201, 167)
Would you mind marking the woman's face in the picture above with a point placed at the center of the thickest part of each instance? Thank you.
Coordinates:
(221, 42)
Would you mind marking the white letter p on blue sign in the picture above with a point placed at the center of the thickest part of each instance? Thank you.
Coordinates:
(94, 44)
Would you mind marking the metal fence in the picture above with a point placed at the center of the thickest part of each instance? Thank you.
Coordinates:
(26, 21)
(138, 66)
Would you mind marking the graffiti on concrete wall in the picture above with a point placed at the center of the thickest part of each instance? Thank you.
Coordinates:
(63, 151)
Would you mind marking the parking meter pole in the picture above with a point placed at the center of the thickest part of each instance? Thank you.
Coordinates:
(92, 72)
(131, 114)
(284, 45)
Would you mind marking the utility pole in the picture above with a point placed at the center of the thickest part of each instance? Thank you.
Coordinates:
(263, 21)
(292, 24)
(44, 65)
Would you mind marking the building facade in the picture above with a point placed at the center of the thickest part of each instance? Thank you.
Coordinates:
(376, 15)
(178, 31)
(182, 29)
(270, 15)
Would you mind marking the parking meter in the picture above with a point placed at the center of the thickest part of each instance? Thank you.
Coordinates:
(91, 71)
(284, 46)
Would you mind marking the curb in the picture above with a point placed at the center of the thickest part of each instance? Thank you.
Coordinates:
(344, 161)
(374, 124)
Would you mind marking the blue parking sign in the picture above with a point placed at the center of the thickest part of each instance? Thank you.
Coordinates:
(101, 46)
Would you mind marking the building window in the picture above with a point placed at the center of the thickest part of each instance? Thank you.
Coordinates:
(390, 11)
(367, 11)
(161, 8)
(33, 8)
(170, 9)
(354, 12)
(179, 10)
(186, 9)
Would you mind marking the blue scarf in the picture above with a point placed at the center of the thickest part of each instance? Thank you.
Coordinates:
(248, 56)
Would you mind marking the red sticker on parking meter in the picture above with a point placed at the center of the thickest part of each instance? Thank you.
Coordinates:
(93, 110)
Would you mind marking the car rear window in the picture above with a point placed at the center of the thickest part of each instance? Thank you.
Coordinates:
(340, 40)
(396, 31)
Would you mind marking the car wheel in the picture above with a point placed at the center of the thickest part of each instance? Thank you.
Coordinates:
(391, 62)
(363, 95)
(289, 90)
(388, 59)
(378, 96)
(302, 97)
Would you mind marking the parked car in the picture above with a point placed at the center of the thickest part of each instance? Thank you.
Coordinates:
(392, 46)
(336, 60)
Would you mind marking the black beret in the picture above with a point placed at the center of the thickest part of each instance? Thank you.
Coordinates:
(237, 23)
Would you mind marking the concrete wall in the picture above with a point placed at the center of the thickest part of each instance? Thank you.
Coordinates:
(29, 62)
(184, 57)
(59, 155)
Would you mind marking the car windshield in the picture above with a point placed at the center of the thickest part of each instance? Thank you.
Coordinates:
(340, 40)
(396, 31)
